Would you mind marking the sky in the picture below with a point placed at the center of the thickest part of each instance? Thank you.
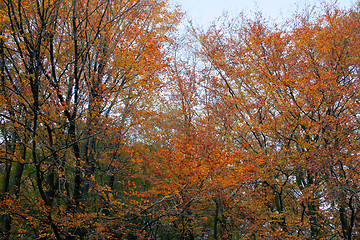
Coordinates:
(203, 12)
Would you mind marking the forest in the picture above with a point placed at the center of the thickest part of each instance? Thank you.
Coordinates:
(115, 124)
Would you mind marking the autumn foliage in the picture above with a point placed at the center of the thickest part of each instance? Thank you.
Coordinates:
(114, 127)
(289, 98)
(75, 76)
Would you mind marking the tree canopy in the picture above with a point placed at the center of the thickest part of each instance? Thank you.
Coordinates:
(115, 126)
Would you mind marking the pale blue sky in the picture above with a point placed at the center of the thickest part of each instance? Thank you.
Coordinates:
(204, 11)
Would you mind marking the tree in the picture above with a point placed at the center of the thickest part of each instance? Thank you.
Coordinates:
(74, 76)
(293, 96)
(113, 128)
